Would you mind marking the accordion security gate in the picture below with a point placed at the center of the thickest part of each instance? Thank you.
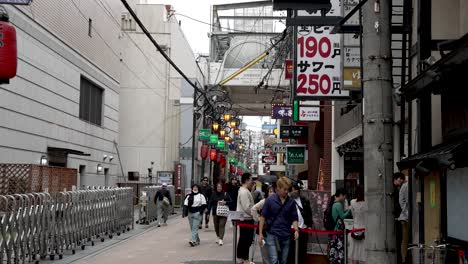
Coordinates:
(37, 225)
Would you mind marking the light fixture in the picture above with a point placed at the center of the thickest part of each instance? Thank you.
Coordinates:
(241, 147)
(111, 158)
(104, 157)
(227, 138)
(275, 131)
(99, 168)
(236, 132)
(215, 126)
(227, 117)
(222, 133)
(44, 160)
(233, 123)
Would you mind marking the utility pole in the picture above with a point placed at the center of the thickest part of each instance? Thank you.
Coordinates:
(377, 130)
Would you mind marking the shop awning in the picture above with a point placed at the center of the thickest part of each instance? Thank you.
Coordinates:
(441, 156)
(68, 151)
(427, 80)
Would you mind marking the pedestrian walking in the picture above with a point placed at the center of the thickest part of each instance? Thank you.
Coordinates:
(336, 242)
(163, 204)
(398, 179)
(207, 191)
(256, 194)
(244, 205)
(278, 214)
(256, 212)
(219, 198)
(357, 243)
(304, 213)
(194, 205)
(233, 192)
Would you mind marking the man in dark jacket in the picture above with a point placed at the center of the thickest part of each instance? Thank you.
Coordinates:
(304, 212)
(207, 191)
(162, 206)
(233, 191)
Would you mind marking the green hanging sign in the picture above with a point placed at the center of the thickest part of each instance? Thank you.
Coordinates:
(233, 160)
(204, 134)
(221, 144)
(295, 154)
(214, 139)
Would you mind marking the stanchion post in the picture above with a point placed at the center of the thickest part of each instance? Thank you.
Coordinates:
(345, 246)
(234, 242)
(296, 249)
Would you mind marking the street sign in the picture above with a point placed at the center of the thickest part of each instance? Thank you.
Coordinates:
(352, 57)
(309, 113)
(269, 159)
(352, 78)
(295, 154)
(269, 126)
(214, 139)
(204, 134)
(318, 61)
(221, 144)
(293, 132)
(15, 2)
(279, 148)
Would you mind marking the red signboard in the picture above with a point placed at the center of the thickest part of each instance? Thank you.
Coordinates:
(178, 182)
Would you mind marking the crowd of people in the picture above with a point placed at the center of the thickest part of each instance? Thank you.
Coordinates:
(281, 212)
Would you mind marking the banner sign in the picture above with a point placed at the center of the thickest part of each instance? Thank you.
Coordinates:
(319, 61)
(166, 177)
(293, 132)
(295, 154)
(352, 78)
(221, 144)
(204, 134)
(281, 111)
(269, 159)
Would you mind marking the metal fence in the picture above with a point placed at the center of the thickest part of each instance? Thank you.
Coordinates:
(42, 224)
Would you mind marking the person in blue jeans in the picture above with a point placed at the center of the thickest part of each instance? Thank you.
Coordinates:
(194, 205)
(278, 214)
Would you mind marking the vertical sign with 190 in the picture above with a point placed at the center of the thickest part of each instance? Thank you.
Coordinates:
(319, 57)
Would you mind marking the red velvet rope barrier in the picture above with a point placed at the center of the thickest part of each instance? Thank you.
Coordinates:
(306, 230)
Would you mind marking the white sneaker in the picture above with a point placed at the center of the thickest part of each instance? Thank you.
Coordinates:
(220, 242)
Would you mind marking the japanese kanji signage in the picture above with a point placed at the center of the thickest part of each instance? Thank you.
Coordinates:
(281, 111)
(319, 61)
(204, 134)
(295, 154)
(293, 132)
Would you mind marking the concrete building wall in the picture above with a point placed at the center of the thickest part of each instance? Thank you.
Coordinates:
(40, 107)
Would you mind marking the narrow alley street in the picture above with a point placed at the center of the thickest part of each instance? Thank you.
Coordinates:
(167, 245)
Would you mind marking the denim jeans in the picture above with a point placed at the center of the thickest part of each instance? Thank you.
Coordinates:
(194, 221)
(278, 249)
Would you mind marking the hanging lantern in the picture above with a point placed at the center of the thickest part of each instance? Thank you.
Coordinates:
(219, 157)
(223, 162)
(215, 126)
(222, 133)
(232, 168)
(8, 53)
(204, 151)
(227, 138)
(213, 154)
(236, 132)
(227, 117)
(233, 123)
(275, 131)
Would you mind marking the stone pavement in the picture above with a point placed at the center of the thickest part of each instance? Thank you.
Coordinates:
(164, 245)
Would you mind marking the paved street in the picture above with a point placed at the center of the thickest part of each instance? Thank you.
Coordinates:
(167, 245)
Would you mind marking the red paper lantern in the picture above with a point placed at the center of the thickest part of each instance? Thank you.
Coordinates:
(204, 151)
(8, 53)
(219, 157)
(213, 154)
(223, 162)
(232, 168)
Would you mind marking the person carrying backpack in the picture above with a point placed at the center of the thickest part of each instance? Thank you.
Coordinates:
(334, 220)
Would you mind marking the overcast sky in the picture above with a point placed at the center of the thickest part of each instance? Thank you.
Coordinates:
(196, 33)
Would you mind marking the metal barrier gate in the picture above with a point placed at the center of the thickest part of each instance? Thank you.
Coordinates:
(42, 224)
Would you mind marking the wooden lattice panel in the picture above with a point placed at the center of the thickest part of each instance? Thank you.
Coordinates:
(14, 178)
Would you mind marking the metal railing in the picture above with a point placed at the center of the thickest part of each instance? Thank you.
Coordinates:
(435, 254)
(42, 224)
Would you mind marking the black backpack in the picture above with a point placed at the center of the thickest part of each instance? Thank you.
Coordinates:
(328, 221)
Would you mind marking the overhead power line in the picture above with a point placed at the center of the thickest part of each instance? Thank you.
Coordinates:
(148, 34)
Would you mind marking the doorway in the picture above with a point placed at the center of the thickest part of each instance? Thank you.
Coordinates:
(106, 177)
(82, 178)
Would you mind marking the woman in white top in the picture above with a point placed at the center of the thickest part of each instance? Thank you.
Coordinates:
(194, 205)
(357, 247)
(255, 214)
